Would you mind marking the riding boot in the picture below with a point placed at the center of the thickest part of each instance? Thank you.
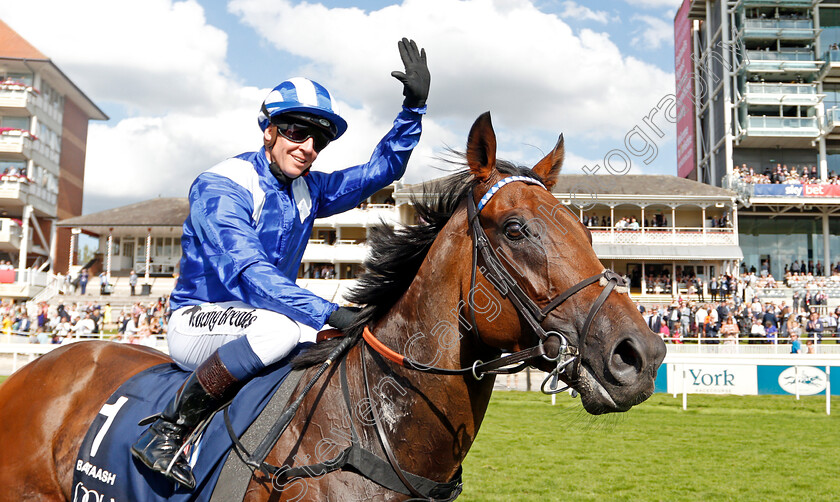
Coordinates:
(206, 391)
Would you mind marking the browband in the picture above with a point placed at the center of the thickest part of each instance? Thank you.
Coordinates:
(504, 181)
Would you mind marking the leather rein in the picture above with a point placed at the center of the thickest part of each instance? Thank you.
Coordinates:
(496, 273)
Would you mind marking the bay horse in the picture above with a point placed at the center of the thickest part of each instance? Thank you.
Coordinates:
(494, 266)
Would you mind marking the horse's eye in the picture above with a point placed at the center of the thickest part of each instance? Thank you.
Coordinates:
(514, 230)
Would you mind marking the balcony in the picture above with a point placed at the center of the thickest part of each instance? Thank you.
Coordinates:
(832, 120)
(792, 62)
(804, 4)
(779, 29)
(10, 235)
(770, 132)
(16, 142)
(343, 251)
(685, 236)
(16, 191)
(785, 94)
(371, 215)
(831, 69)
(16, 97)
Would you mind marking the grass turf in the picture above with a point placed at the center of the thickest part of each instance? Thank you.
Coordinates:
(721, 448)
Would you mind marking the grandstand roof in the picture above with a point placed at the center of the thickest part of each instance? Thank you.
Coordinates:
(627, 186)
(160, 212)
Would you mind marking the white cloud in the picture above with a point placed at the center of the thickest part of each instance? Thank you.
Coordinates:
(154, 56)
(673, 4)
(655, 32)
(168, 66)
(525, 65)
(576, 11)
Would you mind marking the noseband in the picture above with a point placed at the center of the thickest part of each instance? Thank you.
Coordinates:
(495, 272)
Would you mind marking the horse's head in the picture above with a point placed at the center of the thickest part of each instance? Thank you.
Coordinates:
(548, 255)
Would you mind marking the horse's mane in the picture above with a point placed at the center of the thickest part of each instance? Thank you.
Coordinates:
(396, 254)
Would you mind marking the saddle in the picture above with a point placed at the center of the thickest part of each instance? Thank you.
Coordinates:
(105, 470)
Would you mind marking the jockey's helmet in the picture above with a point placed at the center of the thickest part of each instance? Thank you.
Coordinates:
(303, 96)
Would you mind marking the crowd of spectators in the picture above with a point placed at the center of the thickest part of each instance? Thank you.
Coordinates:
(58, 323)
(782, 174)
(730, 319)
(632, 223)
(625, 223)
(14, 174)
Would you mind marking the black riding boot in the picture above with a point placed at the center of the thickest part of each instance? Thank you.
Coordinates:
(208, 389)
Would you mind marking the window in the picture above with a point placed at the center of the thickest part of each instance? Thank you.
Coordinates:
(15, 122)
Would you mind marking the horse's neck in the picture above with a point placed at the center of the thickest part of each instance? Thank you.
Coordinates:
(424, 326)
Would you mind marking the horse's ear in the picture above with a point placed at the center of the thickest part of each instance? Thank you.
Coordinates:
(549, 167)
(481, 147)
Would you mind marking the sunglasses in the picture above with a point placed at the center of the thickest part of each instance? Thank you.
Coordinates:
(298, 132)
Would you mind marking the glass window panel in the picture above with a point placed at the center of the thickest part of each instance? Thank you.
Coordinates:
(16, 122)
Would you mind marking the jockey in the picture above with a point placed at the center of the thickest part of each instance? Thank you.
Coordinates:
(236, 308)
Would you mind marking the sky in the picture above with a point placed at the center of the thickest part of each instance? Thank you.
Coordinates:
(182, 81)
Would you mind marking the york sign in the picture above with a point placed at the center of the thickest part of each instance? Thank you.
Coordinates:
(712, 379)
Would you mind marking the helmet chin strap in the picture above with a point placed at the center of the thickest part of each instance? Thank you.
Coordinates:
(272, 164)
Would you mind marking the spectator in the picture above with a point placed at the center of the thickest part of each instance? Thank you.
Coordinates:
(757, 331)
(132, 281)
(814, 327)
(770, 332)
(795, 344)
(729, 331)
(83, 280)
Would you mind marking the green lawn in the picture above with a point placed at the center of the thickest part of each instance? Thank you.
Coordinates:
(721, 448)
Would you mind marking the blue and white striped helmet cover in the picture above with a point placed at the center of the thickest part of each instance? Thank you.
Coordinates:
(301, 95)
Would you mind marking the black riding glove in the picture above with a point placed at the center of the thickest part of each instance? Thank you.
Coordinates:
(343, 317)
(416, 79)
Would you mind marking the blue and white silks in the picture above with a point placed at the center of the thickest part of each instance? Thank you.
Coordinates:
(245, 235)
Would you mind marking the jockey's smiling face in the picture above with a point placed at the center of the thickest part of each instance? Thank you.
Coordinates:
(292, 158)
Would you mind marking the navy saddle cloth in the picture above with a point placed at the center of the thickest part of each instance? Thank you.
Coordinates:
(105, 470)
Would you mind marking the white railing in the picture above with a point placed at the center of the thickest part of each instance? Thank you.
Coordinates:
(14, 144)
(14, 355)
(55, 284)
(783, 125)
(773, 88)
(663, 236)
(758, 347)
(780, 24)
(780, 56)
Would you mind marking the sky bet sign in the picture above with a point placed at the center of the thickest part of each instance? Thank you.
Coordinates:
(741, 379)
(797, 190)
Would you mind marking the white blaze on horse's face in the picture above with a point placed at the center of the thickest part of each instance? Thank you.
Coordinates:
(548, 253)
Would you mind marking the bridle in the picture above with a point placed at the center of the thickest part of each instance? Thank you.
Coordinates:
(534, 315)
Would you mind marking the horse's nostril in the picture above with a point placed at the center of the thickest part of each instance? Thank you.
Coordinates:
(625, 362)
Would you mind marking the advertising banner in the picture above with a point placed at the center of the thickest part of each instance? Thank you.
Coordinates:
(713, 379)
(821, 190)
(796, 190)
(746, 379)
(684, 73)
